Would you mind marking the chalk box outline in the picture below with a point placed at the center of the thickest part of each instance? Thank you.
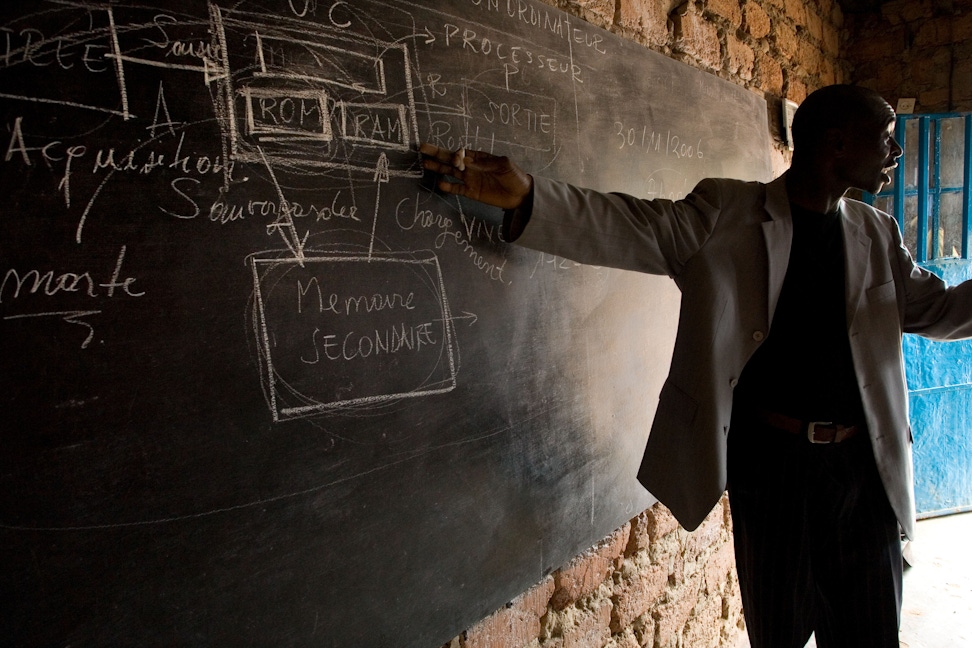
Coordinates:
(448, 382)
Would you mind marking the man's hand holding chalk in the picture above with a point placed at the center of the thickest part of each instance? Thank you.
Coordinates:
(491, 179)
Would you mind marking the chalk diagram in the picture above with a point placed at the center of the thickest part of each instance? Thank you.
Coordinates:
(313, 100)
(292, 100)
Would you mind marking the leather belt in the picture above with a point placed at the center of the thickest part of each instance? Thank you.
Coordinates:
(814, 431)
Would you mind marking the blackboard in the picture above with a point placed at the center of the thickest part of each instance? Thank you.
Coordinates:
(260, 384)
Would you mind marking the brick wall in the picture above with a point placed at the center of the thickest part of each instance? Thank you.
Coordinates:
(651, 583)
(915, 48)
(777, 48)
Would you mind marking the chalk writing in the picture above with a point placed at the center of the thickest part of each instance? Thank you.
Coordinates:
(271, 111)
(290, 127)
(513, 57)
(307, 315)
(396, 339)
(541, 18)
(519, 116)
(665, 142)
(556, 262)
(17, 284)
(32, 46)
(224, 211)
(146, 161)
(338, 12)
(339, 305)
(664, 183)
(203, 50)
(446, 231)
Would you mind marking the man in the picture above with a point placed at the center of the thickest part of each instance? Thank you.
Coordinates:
(787, 378)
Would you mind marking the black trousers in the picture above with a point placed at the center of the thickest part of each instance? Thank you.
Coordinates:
(817, 545)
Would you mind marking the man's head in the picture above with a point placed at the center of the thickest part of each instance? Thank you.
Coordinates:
(849, 129)
(836, 107)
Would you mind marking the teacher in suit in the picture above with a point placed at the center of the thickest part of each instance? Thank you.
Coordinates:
(787, 383)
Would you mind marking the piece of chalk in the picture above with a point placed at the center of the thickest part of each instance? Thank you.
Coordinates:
(462, 161)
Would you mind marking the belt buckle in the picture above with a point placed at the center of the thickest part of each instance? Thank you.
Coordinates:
(810, 428)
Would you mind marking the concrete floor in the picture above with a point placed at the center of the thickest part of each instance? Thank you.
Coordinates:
(937, 608)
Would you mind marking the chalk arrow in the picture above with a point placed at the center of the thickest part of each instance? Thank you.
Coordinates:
(71, 317)
(466, 315)
(382, 175)
(382, 170)
(428, 36)
(462, 106)
(284, 225)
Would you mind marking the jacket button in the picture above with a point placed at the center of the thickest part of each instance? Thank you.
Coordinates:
(733, 382)
(758, 336)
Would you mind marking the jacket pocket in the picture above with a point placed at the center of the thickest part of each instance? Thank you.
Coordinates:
(676, 409)
(882, 293)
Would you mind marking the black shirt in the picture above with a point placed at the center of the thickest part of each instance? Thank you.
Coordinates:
(804, 368)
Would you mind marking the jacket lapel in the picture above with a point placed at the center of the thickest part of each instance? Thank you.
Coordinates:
(778, 233)
(857, 246)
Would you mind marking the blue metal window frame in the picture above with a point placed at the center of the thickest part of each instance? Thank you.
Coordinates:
(929, 184)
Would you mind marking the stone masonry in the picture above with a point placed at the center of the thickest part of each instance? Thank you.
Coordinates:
(651, 583)
(919, 49)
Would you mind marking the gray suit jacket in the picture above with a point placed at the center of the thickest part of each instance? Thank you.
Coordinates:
(727, 246)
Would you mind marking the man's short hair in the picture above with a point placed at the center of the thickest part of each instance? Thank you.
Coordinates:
(835, 106)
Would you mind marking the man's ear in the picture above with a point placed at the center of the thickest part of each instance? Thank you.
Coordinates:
(835, 140)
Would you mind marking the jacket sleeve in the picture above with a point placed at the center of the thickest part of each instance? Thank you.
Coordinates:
(620, 231)
(931, 308)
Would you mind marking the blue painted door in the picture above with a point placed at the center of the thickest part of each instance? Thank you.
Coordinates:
(931, 198)
(940, 396)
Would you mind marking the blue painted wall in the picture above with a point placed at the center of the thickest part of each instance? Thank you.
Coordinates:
(940, 396)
